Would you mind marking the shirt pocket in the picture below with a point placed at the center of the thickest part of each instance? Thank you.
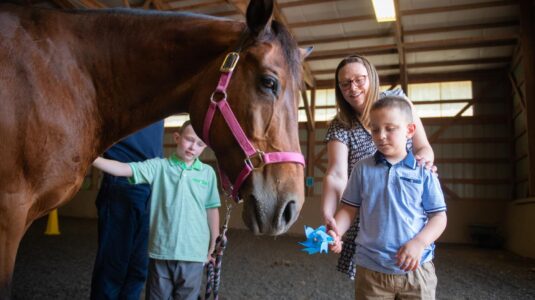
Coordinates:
(411, 186)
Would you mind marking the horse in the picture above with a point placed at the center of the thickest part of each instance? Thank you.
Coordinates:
(73, 82)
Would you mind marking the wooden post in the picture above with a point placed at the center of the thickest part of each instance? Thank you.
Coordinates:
(528, 64)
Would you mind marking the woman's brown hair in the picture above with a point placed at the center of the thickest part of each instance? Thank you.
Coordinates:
(345, 114)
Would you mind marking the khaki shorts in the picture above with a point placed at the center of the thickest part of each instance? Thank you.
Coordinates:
(418, 284)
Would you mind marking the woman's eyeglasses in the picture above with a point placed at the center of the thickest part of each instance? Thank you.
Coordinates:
(358, 81)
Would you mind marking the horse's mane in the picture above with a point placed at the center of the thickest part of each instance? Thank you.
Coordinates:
(290, 47)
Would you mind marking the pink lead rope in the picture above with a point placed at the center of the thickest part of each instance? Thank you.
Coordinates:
(251, 153)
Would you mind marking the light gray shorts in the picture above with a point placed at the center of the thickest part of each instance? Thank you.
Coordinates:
(174, 279)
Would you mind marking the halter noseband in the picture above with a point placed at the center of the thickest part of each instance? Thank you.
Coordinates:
(254, 158)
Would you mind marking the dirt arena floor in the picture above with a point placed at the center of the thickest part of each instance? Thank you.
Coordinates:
(59, 267)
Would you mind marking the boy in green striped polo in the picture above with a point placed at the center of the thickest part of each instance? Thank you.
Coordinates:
(184, 216)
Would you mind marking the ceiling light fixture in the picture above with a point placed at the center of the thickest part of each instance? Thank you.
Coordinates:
(384, 10)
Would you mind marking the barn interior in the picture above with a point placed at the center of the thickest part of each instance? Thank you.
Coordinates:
(468, 66)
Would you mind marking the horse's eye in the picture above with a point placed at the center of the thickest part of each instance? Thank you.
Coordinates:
(270, 84)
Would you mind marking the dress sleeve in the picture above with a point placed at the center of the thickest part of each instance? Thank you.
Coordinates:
(337, 132)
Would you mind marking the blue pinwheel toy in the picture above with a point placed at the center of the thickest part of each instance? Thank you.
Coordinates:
(317, 240)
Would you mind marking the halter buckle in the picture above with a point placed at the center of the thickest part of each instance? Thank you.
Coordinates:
(230, 62)
(258, 158)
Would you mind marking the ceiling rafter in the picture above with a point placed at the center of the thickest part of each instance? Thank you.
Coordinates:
(441, 29)
(436, 45)
(443, 63)
(398, 32)
(429, 77)
(421, 11)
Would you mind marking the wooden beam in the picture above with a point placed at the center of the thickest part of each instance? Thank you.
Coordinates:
(476, 120)
(493, 140)
(441, 130)
(517, 90)
(341, 53)
(442, 29)
(308, 111)
(475, 181)
(398, 29)
(449, 192)
(432, 64)
(490, 161)
(410, 47)
(430, 10)
(429, 77)
(311, 137)
(452, 8)
(462, 43)
(527, 41)
(352, 38)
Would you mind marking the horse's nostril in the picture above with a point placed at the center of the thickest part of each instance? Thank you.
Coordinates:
(289, 212)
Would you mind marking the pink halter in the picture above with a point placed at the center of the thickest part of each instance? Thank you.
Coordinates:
(254, 158)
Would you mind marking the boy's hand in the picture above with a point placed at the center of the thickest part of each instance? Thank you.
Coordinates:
(409, 255)
(210, 259)
(332, 230)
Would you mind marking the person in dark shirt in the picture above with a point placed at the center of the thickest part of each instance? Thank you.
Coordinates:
(123, 209)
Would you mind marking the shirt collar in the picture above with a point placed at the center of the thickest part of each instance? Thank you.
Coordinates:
(408, 161)
(175, 160)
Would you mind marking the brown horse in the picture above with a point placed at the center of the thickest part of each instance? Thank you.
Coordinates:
(74, 82)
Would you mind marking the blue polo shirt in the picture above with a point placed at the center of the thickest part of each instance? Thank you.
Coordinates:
(394, 201)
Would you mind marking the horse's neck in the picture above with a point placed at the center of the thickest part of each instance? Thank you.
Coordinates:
(145, 66)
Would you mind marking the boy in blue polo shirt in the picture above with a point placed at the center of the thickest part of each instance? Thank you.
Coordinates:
(184, 216)
(401, 208)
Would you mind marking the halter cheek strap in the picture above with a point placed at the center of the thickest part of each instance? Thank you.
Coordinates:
(254, 159)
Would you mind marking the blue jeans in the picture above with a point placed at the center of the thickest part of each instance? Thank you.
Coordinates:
(121, 264)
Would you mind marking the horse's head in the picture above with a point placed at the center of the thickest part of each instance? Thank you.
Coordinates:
(263, 94)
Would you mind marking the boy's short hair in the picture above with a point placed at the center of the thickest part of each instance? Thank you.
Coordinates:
(394, 102)
(184, 125)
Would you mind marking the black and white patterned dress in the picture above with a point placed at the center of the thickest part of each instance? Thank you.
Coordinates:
(360, 145)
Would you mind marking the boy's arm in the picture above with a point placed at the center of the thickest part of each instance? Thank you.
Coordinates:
(345, 215)
(113, 167)
(433, 229)
(213, 223)
(409, 255)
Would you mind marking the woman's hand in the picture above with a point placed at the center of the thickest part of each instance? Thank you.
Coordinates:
(332, 230)
(423, 161)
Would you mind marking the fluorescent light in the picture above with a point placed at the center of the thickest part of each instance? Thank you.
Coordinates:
(384, 10)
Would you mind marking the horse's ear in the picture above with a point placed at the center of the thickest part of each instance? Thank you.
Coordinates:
(305, 52)
(258, 15)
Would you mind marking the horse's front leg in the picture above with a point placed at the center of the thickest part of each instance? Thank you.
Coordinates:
(13, 224)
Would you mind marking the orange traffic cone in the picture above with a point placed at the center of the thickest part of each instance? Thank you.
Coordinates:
(52, 227)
